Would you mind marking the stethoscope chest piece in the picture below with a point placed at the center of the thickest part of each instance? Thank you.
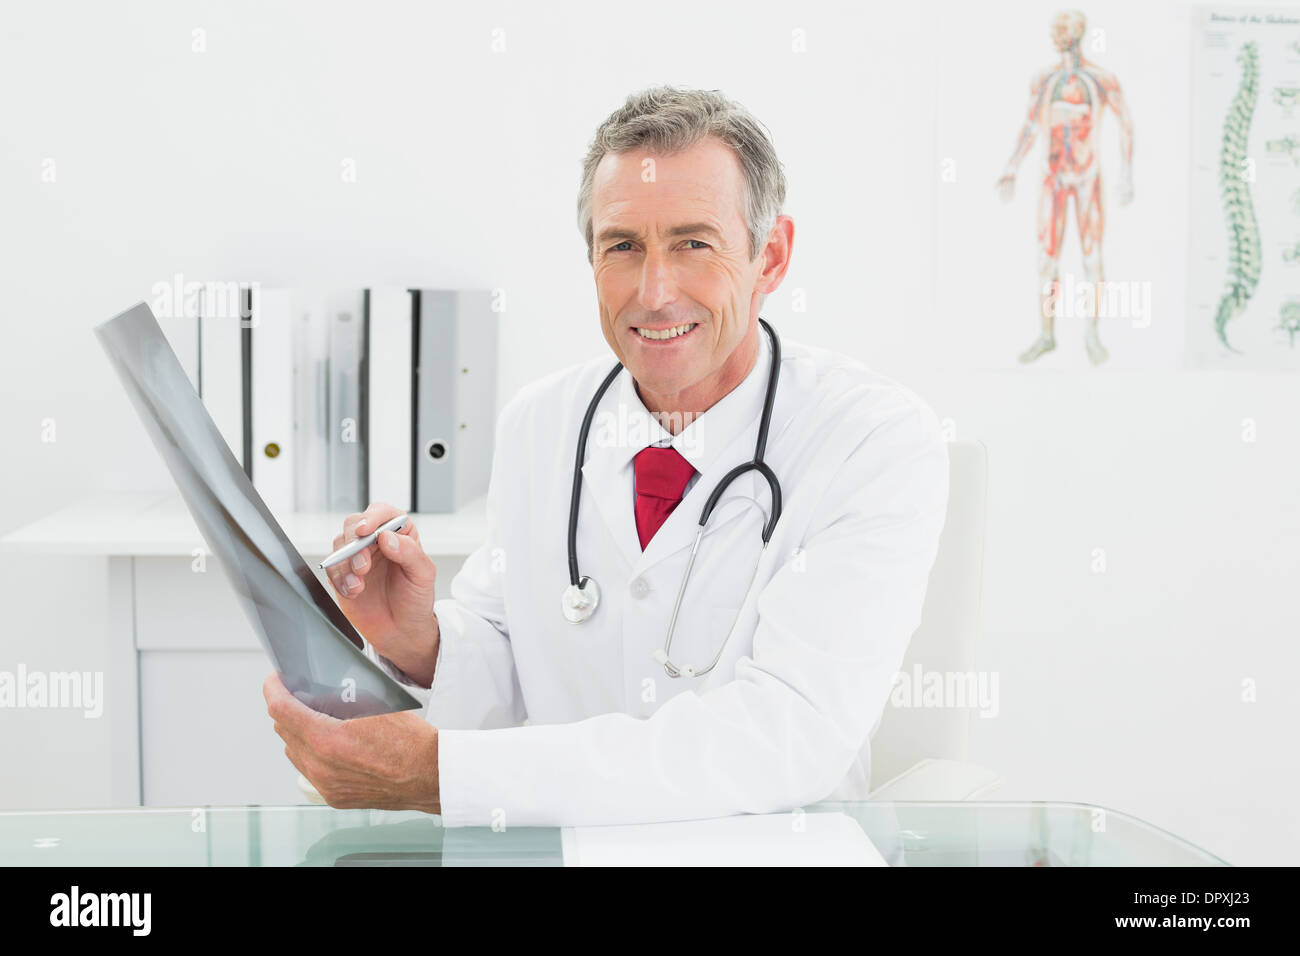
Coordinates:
(580, 601)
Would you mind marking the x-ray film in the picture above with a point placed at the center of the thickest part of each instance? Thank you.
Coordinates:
(315, 648)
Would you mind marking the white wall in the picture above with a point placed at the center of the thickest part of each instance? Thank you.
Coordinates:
(1120, 688)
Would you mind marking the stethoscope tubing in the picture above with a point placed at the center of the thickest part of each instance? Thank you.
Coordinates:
(575, 498)
(755, 464)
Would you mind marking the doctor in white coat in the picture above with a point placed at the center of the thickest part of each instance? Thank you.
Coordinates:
(531, 719)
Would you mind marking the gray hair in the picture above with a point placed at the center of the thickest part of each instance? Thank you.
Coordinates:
(667, 120)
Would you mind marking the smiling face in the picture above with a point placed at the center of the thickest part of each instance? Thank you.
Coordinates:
(677, 289)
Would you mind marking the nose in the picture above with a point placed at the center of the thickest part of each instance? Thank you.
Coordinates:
(658, 286)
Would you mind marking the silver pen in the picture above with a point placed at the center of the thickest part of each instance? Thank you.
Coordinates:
(360, 544)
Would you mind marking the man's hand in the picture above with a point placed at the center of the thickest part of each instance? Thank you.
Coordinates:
(386, 591)
(389, 762)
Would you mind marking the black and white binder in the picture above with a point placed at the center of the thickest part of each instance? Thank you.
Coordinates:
(346, 316)
(456, 339)
(310, 401)
(273, 446)
(390, 387)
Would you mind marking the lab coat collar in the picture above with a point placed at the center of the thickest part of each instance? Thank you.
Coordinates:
(713, 443)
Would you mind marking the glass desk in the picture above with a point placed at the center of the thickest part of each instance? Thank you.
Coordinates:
(906, 834)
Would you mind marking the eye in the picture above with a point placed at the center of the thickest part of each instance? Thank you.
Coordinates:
(702, 243)
(616, 248)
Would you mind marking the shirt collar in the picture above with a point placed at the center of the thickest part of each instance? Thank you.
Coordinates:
(708, 435)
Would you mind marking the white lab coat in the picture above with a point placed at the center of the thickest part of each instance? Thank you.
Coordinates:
(547, 723)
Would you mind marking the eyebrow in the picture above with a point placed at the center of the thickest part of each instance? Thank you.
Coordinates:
(620, 234)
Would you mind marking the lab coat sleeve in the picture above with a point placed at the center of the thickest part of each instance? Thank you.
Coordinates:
(832, 630)
(474, 680)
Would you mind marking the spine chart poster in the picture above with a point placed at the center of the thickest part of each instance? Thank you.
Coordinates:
(1244, 248)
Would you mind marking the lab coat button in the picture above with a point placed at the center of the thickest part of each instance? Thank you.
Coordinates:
(639, 588)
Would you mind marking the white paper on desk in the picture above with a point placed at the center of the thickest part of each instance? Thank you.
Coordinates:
(772, 839)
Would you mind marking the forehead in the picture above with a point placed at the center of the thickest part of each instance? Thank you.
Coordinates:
(704, 179)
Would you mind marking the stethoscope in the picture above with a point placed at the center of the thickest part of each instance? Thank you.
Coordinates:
(582, 596)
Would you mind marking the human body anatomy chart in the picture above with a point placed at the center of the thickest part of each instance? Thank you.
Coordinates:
(1066, 105)
(1244, 269)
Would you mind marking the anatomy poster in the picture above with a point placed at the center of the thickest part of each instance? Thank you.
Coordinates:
(1244, 255)
(1060, 141)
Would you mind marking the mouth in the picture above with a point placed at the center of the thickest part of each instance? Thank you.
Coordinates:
(662, 336)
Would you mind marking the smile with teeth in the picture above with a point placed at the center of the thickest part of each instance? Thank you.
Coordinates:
(659, 335)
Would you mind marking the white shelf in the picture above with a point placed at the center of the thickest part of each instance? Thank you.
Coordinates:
(157, 524)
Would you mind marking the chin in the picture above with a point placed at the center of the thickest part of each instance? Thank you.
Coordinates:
(665, 377)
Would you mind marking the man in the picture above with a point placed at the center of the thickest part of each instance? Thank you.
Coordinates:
(680, 206)
(1066, 103)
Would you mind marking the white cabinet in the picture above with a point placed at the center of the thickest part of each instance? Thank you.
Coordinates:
(187, 721)
(205, 737)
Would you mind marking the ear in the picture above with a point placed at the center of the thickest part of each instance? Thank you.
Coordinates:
(775, 256)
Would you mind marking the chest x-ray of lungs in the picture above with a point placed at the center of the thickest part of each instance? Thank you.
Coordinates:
(315, 648)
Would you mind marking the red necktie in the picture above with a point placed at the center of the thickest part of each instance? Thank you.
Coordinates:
(661, 477)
